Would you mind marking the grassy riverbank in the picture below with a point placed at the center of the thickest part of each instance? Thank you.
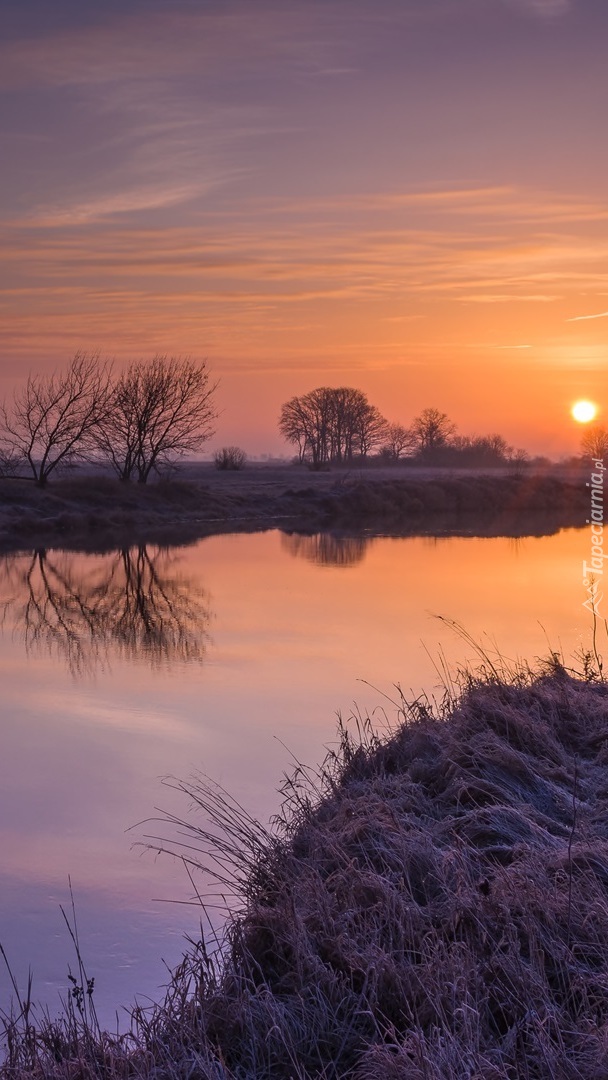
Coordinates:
(94, 512)
(432, 906)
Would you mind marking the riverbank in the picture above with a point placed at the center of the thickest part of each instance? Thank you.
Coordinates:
(97, 513)
(431, 905)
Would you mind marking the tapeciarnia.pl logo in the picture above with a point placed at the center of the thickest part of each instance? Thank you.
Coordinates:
(594, 569)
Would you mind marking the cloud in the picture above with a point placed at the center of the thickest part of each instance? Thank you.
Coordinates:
(584, 318)
(509, 298)
(544, 9)
(123, 202)
(237, 281)
(162, 44)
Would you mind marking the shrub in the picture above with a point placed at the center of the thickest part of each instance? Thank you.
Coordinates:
(230, 458)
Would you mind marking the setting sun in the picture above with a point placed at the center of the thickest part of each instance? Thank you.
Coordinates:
(584, 411)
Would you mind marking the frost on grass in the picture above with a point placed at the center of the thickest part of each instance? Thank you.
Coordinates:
(431, 905)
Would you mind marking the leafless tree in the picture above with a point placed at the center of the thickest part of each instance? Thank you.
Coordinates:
(53, 419)
(368, 428)
(161, 410)
(399, 441)
(594, 443)
(295, 425)
(332, 425)
(306, 421)
(432, 430)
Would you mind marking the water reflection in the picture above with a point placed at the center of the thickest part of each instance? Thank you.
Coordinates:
(133, 602)
(334, 549)
(326, 549)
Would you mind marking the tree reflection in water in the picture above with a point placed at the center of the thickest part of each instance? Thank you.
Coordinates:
(326, 549)
(132, 602)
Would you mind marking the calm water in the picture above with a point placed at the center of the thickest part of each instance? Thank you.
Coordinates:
(225, 657)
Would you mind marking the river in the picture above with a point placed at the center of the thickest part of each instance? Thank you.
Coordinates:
(230, 657)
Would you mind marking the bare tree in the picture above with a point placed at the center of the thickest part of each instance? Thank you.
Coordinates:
(305, 421)
(332, 424)
(53, 419)
(398, 442)
(594, 443)
(295, 424)
(161, 410)
(432, 430)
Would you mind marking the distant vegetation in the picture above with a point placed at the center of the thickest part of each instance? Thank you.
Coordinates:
(431, 905)
(230, 458)
(594, 443)
(334, 426)
(156, 412)
(138, 423)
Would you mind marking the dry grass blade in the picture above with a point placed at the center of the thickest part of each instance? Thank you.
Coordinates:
(431, 904)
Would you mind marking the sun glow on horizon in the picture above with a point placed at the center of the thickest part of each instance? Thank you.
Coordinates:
(584, 411)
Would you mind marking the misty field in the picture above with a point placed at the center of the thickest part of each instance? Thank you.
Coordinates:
(95, 512)
(431, 904)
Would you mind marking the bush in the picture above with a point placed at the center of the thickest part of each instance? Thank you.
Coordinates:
(230, 458)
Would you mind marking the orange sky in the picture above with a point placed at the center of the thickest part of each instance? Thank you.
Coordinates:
(402, 196)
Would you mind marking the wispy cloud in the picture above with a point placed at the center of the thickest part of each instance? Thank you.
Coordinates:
(238, 282)
(584, 318)
(544, 9)
(509, 298)
(123, 202)
(300, 37)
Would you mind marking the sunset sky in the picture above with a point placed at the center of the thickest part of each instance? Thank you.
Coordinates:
(407, 196)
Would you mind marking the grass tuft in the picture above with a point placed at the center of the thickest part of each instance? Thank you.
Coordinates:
(432, 904)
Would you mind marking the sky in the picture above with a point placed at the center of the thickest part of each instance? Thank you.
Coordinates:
(406, 196)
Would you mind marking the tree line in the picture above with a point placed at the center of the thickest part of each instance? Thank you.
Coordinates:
(339, 426)
(156, 411)
(138, 422)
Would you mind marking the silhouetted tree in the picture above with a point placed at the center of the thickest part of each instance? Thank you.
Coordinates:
(161, 410)
(296, 425)
(432, 430)
(54, 419)
(479, 450)
(332, 424)
(399, 441)
(370, 430)
(476, 451)
(594, 442)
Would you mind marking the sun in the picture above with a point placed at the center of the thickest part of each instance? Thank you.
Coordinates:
(584, 411)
